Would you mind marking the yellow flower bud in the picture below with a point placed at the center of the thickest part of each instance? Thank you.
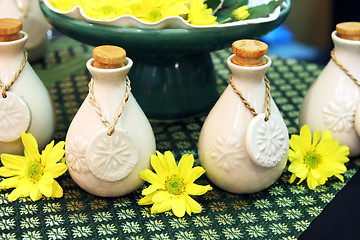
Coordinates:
(240, 13)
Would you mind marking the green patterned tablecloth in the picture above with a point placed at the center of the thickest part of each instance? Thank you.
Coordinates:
(283, 211)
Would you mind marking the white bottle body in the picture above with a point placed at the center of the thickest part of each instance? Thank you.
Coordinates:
(222, 142)
(332, 100)
(31, 89)
(109, 91)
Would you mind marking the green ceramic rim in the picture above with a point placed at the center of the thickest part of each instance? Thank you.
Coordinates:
(160, 41)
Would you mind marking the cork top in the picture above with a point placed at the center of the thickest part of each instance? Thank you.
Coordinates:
(107, 56)
(10, 29)
(349, 30)
(249, 52)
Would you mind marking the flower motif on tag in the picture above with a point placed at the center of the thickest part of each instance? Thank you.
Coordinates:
(339, 114)
(227, 152)
(112, 158)
(75, 154)
(15, 117)
(267, 142)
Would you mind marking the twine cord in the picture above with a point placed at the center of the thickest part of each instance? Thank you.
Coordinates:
(247, 104)
(5, 87)
(343, 68)
(120, 110)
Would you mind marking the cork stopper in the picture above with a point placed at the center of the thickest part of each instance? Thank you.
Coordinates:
(249, 52)
(10, 29)
(109, 57)
(349, 30)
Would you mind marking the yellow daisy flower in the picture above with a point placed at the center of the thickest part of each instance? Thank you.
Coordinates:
(155, 10)
(105, 9)
(33, 174)
(316, 159)
(172, 184)
(199, 14)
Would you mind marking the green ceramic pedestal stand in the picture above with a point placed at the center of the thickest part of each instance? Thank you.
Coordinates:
(172, 87)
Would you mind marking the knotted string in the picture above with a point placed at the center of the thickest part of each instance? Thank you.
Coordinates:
(5, 87)
(97, 107)
(247, 104)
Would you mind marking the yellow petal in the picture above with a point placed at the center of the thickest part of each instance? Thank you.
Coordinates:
(195, 173)
(23, 190)
(314, 173)
(173, 169)
(12, 182)
(53, 154)
(31, 150)
(152, 188)
(6, 172)
(45, 184)
(339, 177)
(158, 166)
(147, 200)
(312, 182)
(150, 177)
(292, 178)
(194, 189)
(56, 170)
(160, 196)
(57, 190)
(296, 167)
(185, 165)
(47, 149)
(317, 136)
(178, 206)
(13, 162)
(305, 134)
(192, 205)
(160, 207)
(35, 193)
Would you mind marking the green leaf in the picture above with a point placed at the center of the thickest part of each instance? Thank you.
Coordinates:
(264, 10)
(212, 4)
(228, 7)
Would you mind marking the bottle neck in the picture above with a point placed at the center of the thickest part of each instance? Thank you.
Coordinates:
(11, 53)
(248, 77)
(346, 51)
(109, 81)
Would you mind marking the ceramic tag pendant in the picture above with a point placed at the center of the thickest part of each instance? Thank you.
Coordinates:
(112, 158)
(267, 141)
(244, 140)
(14, 115)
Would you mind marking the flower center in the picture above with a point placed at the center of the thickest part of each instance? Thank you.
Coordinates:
(34, 170)
(154, 15)
(312, 159)
(174, 186)
(107, 9)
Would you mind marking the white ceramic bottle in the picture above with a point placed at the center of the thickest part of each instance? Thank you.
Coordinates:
(100, 161)
(25, 104)
(333, 98)
(242, 153)
(34, 24)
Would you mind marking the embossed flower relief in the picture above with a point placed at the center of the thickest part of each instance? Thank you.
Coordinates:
(111, 158)
(272, 144)
(75, 154)
(339, 114)
(227, 152)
